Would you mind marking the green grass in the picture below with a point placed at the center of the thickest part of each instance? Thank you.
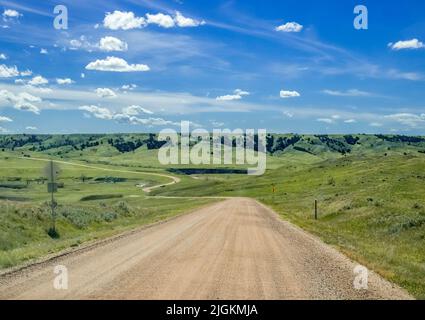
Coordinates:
(102, 204)
(371, 201)
(24, 227)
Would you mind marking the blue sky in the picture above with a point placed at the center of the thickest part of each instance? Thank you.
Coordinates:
(142, 65)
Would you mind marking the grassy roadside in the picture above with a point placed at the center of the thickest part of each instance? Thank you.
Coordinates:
(92, 204)
(23, 227)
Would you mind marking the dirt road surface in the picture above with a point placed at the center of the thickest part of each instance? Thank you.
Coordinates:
(234, 249)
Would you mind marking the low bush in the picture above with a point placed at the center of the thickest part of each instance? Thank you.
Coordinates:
(101, 197)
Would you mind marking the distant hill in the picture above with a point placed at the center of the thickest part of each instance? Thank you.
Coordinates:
(277, 144)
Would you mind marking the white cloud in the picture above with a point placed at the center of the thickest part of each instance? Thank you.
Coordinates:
(350, 121)
(75, 44)
(129, 87)
(106, 114)
(241, 92)
(115, 64)
(347, 93)
(83, 43)
(217, 124)
(135, 110)
(160, 19)
(184, 22)
(123, 118)
(105, 93)
(408, 44)
(29, 97)
(43, 51)
(396, 74)
(408, 119)
(64, 81)
(82, 76)
(177, 103)
(5, 119)
(98, 112)
(31, 128)
(38, 81)
(26, 73)
(290, 27)
(325, 120)
(229, 97)
(40, 89)
(289, 94)
(375, 124)
(237, 95)
(3, 56)
(128, 20)
(8, 72)
(10, 13)
(22, 101)
(109, 44)
(123, 20)
(288, 114)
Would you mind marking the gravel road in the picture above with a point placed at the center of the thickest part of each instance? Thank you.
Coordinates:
(234, 249)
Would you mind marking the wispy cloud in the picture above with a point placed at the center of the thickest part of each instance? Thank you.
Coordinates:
(326, 120)
(25, 8)
(289, 94)
(127, 115)
(63, 81)
(350, 121)
(407, 44)
(408, 119)
(238, 94)
(5, 119)
(347, 93)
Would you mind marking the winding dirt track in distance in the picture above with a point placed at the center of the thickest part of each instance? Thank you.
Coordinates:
(173, 179)
(234, 249)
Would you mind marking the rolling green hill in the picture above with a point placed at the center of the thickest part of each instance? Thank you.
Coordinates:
(370, 190)
(118, 144)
